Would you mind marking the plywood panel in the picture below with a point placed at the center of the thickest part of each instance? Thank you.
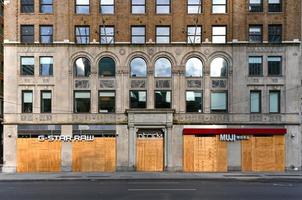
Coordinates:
(95, 156)
(35, 156)
(204, 154)
(150, 154)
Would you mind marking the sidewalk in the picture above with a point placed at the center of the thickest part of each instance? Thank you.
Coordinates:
(64, 176)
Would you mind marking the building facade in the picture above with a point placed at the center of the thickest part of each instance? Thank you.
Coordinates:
(1, 82)
(182, 85)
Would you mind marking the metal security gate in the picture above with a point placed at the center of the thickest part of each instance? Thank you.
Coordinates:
(204, 153)
(264, 153)
(150, 150)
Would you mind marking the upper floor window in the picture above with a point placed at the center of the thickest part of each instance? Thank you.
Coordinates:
(107, 67)
(219, 67)
(46, 34)
(162, 6)
(255, 5)
(275, 33)
(194, 6)
(27, 34)
(138, 6)
(255, 33)
(82, 6)
(27, 66)
(138, 35)
(255, 66)
(138, 99)
(163, 99)
(46, 6)
(107, 6)
(219, 34)
(274, 64)
(194, 34)
(27, 101)
(274, 5)
(82, 34)
(219, 101)
(274, 101)
(106, 101)
(219, 6)
(163, 34)
(107, 34)
(255, 101)
(46, 101)
(163, 68)
(82, 67)
(194, 67)
(138, 67)
(46, 66)
(194, 101)
(27, 6)
(82, 101)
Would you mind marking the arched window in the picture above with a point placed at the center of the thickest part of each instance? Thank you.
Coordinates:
(82, 67)
(106, 67)
(138, 67)
(219, 67)
(194, 67)
(163, 68)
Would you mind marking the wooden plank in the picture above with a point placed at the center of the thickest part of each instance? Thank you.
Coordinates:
(246, 155)
(279, 152)
(222, 160)
(188, 145)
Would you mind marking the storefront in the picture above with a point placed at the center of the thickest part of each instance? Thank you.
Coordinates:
(212, 149)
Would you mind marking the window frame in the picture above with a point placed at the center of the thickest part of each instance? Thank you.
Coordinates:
(41, 100)
(162, 36)
(202, 99)
(21, 66)
(32, 101)
(99, 102)
(81, 5)
(227, 68)
(156, 90)
(259, 92)
(226, 103)
(279, 101)
(139, 36)
(226, 34)
(219, 4)
(155, 67)
(138, 5)
(40, 66)
(106, 5)
(27, 35)
(270, 35)
(41, 36)
(76, 36)
(22, 5)
(145, 91)
(130, 66)
(188, 35)
(111, 36)
(46, 4)
(255, 35)
(272, 11)
(76, 71)
(74, 101)
(268, 66)
(200, 5)
(99, 68)
(202, 67)
(253, 4)
(249, 66)
(162, 5)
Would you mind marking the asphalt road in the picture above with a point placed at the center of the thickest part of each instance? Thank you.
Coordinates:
(151, 190)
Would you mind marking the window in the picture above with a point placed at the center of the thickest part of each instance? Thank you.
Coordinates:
(27, 101)
(82, 101)
(46, 101)
(219, 34)
(163, 99)
(255, 100)
(27, 34)
(163, 34)
(82, 7)
(138, 99)
(27, 66)
(219, 101)
(107, 6)
(274, 65)
(107, 67)
(46, 66)
(138, 67)
(275, 33)
(107, 34)
(82, 34)
(219, 6)
(46, 34)
(256, 6)
(138, 6)
(255, 33)
(194, 67)
(194, 6)
(106, 101)
(46, 6)
(194, 101)
(219, 67)
(274, 101)
(138, 35)
(82, 67)
(162, 6)
(255, 66)
(194, 34)
(27, 6)
(163, 68)
(274, 6)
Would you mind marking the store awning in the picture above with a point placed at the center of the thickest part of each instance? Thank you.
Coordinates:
(237, 131)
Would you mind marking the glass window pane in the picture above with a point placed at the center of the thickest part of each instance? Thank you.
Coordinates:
(255, 101)
(45, 101)
(274, 105)
(218, 101)
(193, 101)
(138, 67)
(163, 68)
(82, 102)
(46, 66)
(219, 67)
(27, 66)
(163, 99)
(138, 99)
(106, 101)
(82, 67)
(194, 67)
(107, 67)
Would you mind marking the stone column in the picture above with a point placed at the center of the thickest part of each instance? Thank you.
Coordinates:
(10, 136)
(122, 148)
(132, 147)
(169, 150)
(66, 153)
(150, 90)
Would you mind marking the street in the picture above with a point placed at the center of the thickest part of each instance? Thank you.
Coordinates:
(151, 189)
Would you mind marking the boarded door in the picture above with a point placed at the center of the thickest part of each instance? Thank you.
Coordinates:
(263, 153)
(204, 154)
(35, 156)
(95, 156)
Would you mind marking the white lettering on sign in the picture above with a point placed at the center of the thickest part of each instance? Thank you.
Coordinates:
(233, 137)
(65, 138)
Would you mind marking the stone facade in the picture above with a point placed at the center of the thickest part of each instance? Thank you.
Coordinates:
(238, 83)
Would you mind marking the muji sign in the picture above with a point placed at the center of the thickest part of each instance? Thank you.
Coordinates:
(232, 137)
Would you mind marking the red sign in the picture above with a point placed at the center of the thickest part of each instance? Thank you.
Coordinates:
(237, 131)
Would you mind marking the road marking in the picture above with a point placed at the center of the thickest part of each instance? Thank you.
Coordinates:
(153, 183)
(149, 189)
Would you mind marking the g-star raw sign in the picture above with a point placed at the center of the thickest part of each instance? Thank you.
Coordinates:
(233, 137)
(65, 138)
